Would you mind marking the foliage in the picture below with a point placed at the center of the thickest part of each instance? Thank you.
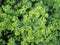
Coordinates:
(29, 22)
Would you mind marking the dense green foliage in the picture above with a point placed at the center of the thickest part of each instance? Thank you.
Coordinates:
(29, 22)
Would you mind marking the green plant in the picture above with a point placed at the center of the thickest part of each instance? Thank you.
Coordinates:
(29, 22)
